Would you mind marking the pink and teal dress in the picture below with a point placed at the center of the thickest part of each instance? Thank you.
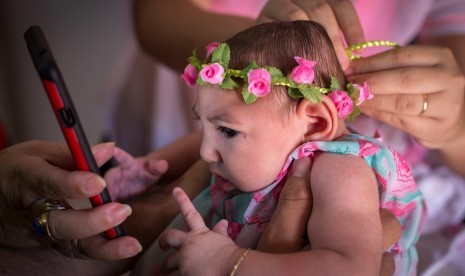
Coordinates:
(249, 213)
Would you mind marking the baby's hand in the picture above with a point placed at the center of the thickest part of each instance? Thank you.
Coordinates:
(133, 175)
(200, 251)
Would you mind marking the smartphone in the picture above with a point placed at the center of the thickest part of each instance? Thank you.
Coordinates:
(66, 114)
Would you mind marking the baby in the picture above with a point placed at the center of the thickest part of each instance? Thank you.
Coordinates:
(269, 95)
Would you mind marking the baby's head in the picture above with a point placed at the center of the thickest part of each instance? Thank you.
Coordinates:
(247, 137)
(276, 44)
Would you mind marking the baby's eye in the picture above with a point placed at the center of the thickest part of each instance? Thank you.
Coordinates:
(227, 132)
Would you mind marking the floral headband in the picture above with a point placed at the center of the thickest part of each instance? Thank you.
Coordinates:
(258, 80)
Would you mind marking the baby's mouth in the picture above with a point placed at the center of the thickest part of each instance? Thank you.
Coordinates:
(224, 184)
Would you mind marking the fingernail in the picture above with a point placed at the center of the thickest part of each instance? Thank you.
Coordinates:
(301, 167)
(119, 213)
(93, 185)
(131, 249)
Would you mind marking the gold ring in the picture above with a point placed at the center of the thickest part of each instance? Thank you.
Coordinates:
(425, 104)
(40, 212)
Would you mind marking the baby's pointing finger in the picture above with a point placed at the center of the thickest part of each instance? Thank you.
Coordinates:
(192, 217)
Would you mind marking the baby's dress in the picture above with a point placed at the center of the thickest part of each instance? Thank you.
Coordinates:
(249, 213)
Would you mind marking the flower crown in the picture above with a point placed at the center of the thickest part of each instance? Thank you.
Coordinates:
(258, 81)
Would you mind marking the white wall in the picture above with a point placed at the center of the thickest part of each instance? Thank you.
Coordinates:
(85, 36)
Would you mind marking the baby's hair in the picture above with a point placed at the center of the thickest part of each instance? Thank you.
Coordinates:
(277, 43)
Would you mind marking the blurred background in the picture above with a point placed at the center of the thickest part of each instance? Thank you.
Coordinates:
(86, 38)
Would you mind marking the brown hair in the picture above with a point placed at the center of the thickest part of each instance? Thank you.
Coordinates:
(277, 43)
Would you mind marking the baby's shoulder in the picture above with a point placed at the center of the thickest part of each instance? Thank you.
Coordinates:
(334, 167)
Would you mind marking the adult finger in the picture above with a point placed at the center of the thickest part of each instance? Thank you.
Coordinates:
(348, 21)
(388, 265)
(322, 12)
(287, 227)
(78, 224)
(103, 152)
(47, 181)
(192, 217)
(392, 230)
(411, 80)
(412, 105)
(408, 56)
(97, 247)
(279, 10)
(38, 169)
(413, 125)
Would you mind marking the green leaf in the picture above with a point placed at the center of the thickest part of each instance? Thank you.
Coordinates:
(312, 94)
(229, 83)
(354, 93)
(334, 84)
(294, 93)
(195, 61)
(274, 72)
(221, 55)
(200, 81)
(283, 81)
(248, 97)
(355, 112)
(252, 65)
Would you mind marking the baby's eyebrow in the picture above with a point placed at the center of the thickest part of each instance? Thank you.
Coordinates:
(194, 111)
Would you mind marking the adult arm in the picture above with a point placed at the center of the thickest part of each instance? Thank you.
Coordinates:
(170, 30)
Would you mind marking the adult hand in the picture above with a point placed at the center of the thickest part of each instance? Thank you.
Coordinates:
(400, 79)
(335, 16)
(287, 229)
(35, 170)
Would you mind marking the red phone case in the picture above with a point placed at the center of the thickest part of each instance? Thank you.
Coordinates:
(65, 113)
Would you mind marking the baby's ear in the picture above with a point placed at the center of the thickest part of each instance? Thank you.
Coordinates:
(320, 119)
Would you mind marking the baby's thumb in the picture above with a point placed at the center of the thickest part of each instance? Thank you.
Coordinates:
(221, 227)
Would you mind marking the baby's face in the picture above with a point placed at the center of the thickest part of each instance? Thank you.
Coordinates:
(246, 145)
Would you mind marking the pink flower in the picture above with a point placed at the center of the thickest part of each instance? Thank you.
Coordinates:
(342, 101)
(190, 75)
(259, 82)
(211, 47)
(212, 73)
(364, 93)
(303, 73)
